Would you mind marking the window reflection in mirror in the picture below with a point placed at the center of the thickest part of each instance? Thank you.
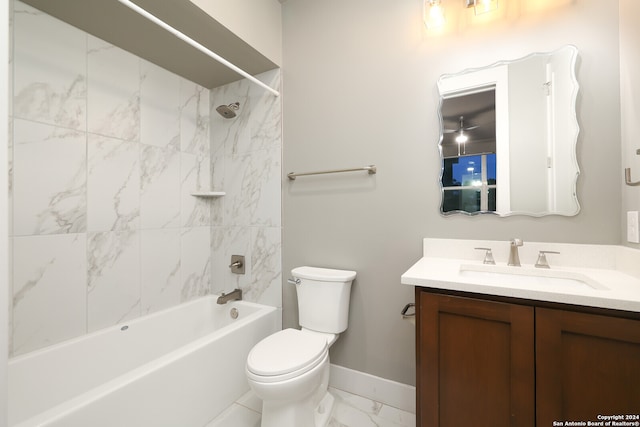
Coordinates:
(469, 183)
(469, 152)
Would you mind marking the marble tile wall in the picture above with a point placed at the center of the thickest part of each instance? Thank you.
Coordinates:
(106, 151)
(246, 163)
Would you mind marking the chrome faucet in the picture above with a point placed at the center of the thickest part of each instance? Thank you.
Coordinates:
(234, 295)
(542, 259)
(514, 258)
(488, 256)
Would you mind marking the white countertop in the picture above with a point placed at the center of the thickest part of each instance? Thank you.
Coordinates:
(612, 271)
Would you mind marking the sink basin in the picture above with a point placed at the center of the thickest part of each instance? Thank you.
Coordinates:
(503, 275)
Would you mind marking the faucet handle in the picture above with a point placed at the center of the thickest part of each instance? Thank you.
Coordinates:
(542, 259)
(488, 256)
(237, 265)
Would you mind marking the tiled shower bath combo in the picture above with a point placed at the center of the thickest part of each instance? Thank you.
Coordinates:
(106, 150)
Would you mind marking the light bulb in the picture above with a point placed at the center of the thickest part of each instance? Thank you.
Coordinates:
(461, 138)
(484, 6)
(433, 14)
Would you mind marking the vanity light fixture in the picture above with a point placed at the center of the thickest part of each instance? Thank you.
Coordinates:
(483, 6)
(433, 14)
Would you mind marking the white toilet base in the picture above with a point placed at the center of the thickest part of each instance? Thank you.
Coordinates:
(298, 402)
(324, 410)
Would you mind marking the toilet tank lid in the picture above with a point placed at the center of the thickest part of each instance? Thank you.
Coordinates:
(323, 274)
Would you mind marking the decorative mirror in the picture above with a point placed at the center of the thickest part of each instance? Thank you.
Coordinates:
(508, 137)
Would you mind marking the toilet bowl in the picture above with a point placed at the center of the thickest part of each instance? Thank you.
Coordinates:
(289, 370)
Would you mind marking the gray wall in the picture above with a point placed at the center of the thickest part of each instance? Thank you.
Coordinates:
(360, 88)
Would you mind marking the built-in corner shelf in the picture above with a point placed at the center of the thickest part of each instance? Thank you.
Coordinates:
(208, 194)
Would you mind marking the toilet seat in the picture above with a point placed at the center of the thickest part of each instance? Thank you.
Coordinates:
(285, 355)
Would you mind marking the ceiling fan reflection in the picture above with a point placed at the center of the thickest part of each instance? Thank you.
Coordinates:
(461, 137)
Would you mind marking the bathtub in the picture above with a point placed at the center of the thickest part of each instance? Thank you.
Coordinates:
(180, 367)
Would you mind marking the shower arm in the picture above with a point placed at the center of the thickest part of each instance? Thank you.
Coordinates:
(197, 45)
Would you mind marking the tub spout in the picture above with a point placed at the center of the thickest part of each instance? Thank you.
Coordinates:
(234, 295)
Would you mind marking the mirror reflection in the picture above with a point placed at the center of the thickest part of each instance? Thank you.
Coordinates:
(508, 137)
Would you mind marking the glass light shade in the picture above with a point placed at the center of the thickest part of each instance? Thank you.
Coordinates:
(433, 14)
(484, 6)
(462, 138)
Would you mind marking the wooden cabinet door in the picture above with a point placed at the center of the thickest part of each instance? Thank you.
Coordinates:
(587, 365)
(475, 362)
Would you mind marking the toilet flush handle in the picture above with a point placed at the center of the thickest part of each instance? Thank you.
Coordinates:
(294, 281)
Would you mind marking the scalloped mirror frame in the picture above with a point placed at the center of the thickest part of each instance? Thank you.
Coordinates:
(553, 191)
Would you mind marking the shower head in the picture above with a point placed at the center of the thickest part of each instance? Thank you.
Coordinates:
(228, 111)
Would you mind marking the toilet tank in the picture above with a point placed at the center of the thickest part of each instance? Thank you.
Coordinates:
(323, 298)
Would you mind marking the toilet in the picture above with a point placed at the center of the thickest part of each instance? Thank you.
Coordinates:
(289, 370)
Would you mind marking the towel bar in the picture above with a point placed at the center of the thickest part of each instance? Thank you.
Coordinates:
(627, 174)
(371, 169)
(627, 178)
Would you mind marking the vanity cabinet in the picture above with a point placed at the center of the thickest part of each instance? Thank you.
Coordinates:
(586, 365)
(475, 362)
(496, 363)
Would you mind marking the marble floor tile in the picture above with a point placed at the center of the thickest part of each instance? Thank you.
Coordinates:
(356, 411)
(349, 411)
(251, 401)
(236, 416)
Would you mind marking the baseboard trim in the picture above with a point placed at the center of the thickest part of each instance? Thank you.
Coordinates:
(387, 392)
